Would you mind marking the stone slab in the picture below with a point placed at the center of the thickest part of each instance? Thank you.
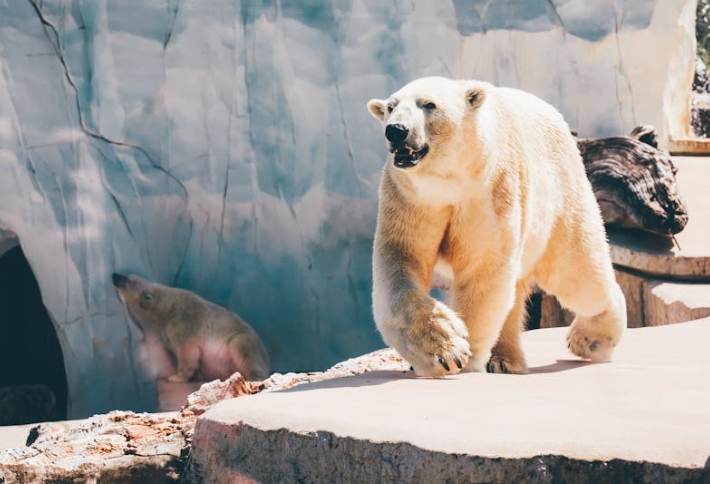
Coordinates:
(643, 418)
(671, 302)
(660, 256)
(689, 146)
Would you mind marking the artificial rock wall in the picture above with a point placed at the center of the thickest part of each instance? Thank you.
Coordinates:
(224, 147)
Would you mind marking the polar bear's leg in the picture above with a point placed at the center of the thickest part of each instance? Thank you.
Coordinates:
(426, 332)
(595, 337)
(507, 355)
(187, 354)
(580, 275)
(248, 356)
(484, 302)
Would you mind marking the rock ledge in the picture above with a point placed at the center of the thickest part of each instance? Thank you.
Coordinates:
(642, 418)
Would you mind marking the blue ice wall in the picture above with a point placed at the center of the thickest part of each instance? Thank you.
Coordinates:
(224, 147)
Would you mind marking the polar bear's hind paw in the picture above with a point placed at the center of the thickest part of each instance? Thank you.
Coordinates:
(597, 348)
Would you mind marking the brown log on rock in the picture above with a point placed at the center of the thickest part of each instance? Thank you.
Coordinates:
(634, 182)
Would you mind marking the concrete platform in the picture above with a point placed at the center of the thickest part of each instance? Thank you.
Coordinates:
(643, 418)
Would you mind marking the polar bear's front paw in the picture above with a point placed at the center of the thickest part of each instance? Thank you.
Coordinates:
(438, 345)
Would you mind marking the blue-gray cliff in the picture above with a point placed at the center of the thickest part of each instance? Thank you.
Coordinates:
(224, 147)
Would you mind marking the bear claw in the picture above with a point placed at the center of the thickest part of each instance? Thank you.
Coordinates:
(491, 368)
(498, 365)
(443, 363)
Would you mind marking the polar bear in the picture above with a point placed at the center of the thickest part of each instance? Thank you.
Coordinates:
(206, 341)
(485, 184)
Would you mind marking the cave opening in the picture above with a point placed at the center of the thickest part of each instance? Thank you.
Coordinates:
(33, 383)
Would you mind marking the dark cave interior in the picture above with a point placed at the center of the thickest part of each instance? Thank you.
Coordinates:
(33, 384)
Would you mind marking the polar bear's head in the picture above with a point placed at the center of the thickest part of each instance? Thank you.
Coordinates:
(146, 301)
(426, 118)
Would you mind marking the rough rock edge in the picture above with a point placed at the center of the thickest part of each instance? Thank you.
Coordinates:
(325, 457)
(120, 447)
(214, 392)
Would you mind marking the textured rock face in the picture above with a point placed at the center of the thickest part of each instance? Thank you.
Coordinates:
(121, 447)
(225, 148)
(118, 447)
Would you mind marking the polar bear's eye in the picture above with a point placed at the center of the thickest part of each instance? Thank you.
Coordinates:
(146, 296)
(389, 108)
(429, 106)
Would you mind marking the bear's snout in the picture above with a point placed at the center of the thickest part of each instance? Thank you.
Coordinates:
(119, 280)
(396, 133)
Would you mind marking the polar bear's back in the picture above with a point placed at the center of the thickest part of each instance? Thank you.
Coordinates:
(536, 129)
(533, 120)
(533, 139)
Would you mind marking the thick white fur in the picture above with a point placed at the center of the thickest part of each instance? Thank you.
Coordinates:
(502, 200)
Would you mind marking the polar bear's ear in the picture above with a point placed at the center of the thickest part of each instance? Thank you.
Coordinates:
(377, 108)
(475, 96)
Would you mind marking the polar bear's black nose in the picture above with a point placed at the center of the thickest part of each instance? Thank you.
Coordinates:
(396, 133)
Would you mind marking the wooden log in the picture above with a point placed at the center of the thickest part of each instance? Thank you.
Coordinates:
(634, 182)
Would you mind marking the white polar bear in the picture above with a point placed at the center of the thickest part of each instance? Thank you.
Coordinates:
(488, 184)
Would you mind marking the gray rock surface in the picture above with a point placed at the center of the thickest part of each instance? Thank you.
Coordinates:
(224, 147)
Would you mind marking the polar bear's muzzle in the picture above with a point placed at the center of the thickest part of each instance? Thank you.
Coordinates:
(406, 157)
(406, 154)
